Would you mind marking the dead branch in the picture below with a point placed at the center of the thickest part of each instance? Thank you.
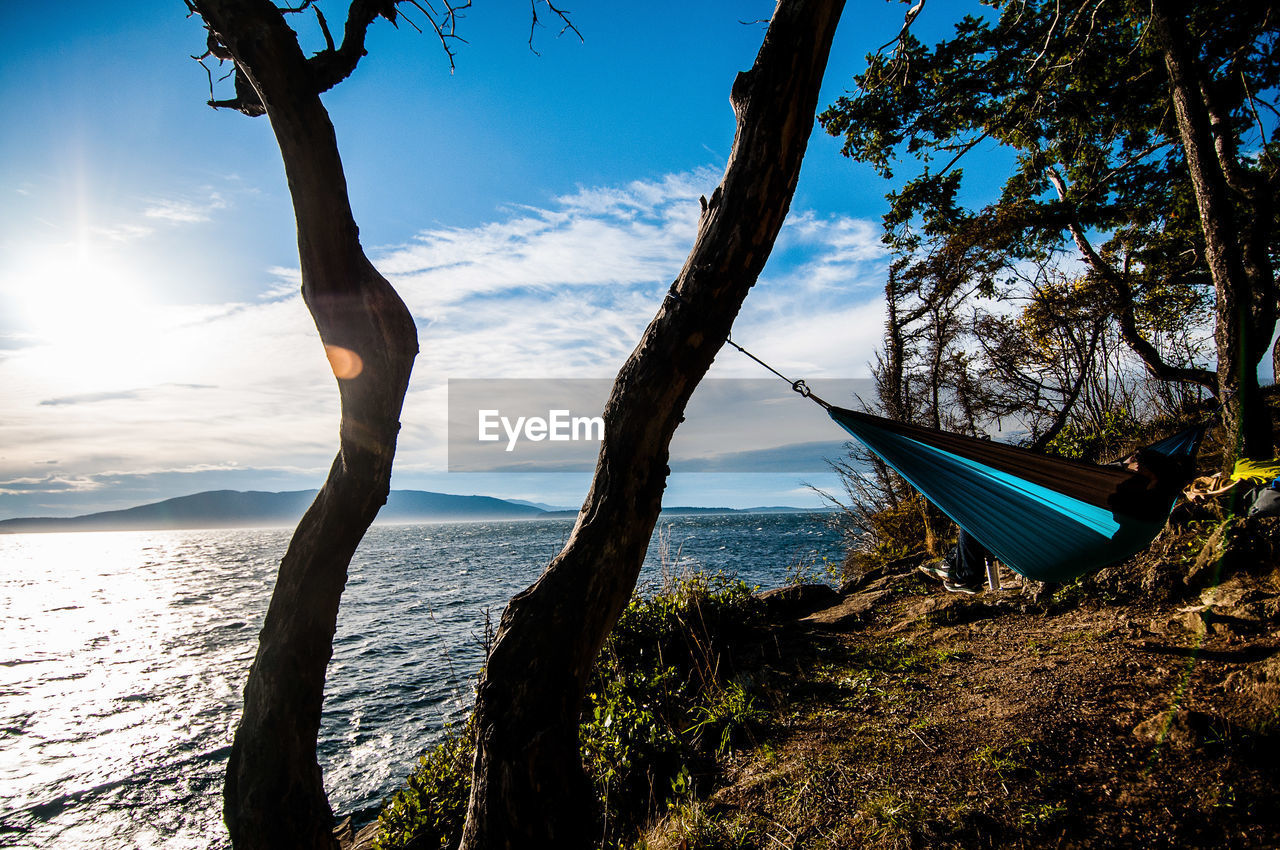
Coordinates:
(1126, 308)
(536, 22)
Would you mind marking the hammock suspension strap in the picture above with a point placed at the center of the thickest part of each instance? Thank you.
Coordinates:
(797, 385)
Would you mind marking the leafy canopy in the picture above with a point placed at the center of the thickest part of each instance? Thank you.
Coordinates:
(1077, 94)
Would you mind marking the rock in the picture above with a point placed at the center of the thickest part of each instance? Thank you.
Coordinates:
(1237, 607)
(1207, 561)
(877, 575)
(851, 585)
(797, 600)
(1258, 687)
(848, 611)
(1178, 728)
(1251, 546)
(1232, 592)
(1205, 620)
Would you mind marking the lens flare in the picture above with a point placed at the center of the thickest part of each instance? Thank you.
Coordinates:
(346, 363)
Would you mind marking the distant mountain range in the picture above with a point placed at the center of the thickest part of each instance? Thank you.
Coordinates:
(235, 509)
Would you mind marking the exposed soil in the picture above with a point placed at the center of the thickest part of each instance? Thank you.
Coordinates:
(1141, 708)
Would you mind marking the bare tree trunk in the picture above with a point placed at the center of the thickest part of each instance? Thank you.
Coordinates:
(274, 794)
(1234, 334)
(529, 788)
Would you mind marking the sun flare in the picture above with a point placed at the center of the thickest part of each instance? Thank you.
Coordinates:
(91, 315)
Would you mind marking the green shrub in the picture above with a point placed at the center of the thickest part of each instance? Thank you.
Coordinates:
(660, 704)
(1091, 443)
(888, 534)
(430, 809)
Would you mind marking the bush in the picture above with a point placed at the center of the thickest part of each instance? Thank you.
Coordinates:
(430, 809)
(1091, 443)
(661, 704)
(662, 701)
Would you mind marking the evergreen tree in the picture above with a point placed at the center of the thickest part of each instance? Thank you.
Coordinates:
(1141, 150)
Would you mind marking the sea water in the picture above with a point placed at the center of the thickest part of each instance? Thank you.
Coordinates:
(123, 656)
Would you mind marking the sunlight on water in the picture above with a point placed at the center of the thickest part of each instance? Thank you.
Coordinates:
(116, 655)
(123, 656)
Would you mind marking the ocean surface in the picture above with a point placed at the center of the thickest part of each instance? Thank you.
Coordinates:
(123, 656)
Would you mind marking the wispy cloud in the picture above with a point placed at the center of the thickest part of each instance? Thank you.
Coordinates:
(90, 398)
(185, 210)
(607, 237)
(288, 282)
(123, 231)
(49, 484)
(561, 290)
(15, 341)
(119, 395)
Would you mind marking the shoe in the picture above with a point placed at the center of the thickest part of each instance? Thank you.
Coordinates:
(969, 589)
(935, 569)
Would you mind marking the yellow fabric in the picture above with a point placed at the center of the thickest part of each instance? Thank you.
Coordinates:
(1257, 471)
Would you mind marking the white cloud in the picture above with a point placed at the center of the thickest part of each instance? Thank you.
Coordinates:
(604, 237)
(123, 232)
(288, 282)
(185, 210)
(560, 291)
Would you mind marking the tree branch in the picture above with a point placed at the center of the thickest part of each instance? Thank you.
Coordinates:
(1064, 413)
(536, 22)
(1126, 306)
(330, 67)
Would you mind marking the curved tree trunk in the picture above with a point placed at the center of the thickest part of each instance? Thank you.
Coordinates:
(274, 794)
(529, 788)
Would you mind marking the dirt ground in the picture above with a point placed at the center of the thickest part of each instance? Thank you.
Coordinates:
(1138, 708)
(1141, 709)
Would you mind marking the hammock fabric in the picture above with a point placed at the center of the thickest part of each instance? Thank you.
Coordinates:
(1047, 518)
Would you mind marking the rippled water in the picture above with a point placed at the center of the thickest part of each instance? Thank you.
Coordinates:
(123, 654)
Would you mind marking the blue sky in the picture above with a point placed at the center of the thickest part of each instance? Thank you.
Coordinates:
(531, 209)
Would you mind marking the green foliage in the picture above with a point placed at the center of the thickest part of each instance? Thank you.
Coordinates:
(891, 533)
(431, 807)
(662, 701)
(1076, 102)
(1042, 815)
(660, 704)
(1006, 761)
(813, 570)
(730, 714)
(1092, 444)
(691, 824)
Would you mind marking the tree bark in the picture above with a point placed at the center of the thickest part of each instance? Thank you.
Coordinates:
(529, 787)
(1235, 331)
(274, 794)
(1275, 362)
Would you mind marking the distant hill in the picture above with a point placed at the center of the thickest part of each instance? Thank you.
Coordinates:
(235, 509)
(542, 506)
(691, 511)
(256, 509)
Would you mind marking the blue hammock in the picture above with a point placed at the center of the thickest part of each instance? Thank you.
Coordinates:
(1049, 519)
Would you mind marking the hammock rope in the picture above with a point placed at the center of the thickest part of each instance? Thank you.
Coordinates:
(798, 386)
